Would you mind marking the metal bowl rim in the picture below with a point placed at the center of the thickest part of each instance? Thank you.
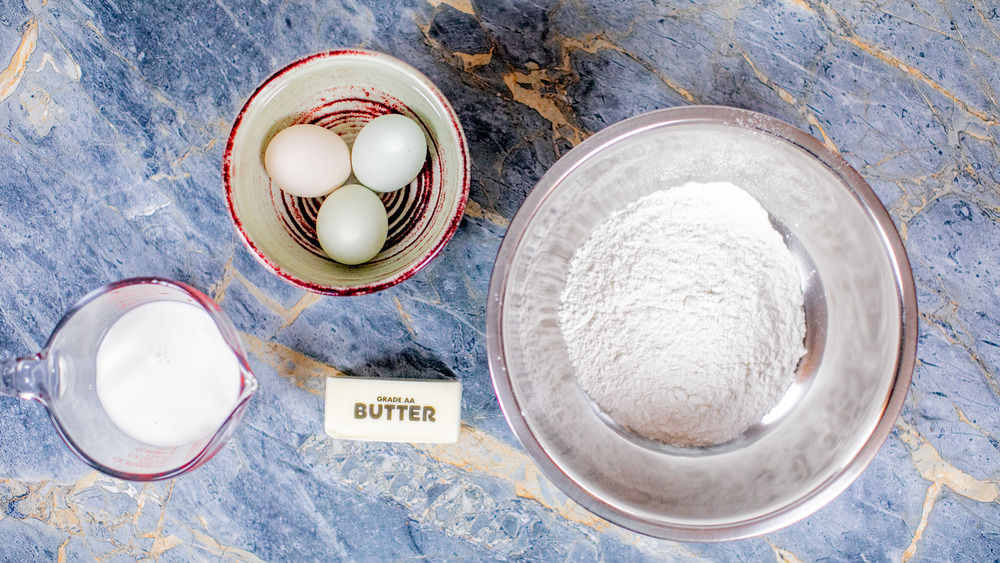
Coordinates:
(905, 292)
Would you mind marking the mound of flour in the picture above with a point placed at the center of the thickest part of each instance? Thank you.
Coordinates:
(683, 315)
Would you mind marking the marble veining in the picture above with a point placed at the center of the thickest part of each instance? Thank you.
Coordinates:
(113, 119)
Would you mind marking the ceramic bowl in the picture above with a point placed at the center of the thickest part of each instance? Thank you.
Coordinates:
(343, 90)
(861, 329)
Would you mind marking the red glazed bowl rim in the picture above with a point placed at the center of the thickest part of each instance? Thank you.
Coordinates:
(426, 257)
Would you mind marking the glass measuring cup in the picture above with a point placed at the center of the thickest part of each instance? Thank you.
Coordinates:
(62, 377)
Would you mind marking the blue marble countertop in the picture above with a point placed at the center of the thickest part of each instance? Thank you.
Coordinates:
(113, 120)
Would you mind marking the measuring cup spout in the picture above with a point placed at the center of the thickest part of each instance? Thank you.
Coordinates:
(249, 386)
(28, 377)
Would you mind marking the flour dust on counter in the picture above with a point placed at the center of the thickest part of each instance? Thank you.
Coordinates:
(683, 315)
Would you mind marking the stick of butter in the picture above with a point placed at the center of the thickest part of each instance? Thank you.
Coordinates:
(393, 410)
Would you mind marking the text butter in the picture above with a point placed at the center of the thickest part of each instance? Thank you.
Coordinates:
(393, 410)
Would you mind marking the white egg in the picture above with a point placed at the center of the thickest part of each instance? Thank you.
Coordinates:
(389, 152)
(352, 224)
(307, 160)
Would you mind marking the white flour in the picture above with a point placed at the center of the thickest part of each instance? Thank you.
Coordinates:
(683, 315)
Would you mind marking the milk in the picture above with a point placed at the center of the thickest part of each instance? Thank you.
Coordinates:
(165, 376)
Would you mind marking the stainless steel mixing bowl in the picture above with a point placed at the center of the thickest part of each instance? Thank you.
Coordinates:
(861, 318)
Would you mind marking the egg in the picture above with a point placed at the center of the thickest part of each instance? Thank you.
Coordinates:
(307, 160)
(389, 152)
(352, 224)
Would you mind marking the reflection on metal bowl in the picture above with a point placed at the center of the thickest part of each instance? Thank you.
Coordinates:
(861, 332)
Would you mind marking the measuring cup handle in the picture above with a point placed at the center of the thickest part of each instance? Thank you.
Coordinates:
(27, 377)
